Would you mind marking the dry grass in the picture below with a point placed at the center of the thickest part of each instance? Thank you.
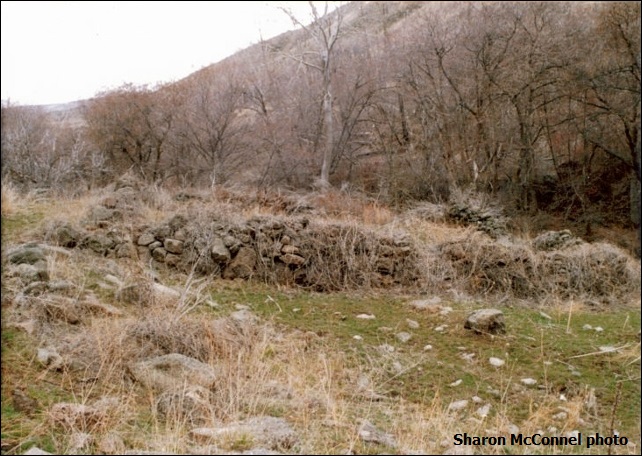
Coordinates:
(593, 271)
(9, 199)
(304, 365)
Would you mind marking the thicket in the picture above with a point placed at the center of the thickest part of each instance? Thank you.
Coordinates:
(536, 104)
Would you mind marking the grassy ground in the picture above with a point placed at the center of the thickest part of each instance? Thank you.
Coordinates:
(313, 362)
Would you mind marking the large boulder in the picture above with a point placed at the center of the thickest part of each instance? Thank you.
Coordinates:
(488, 321)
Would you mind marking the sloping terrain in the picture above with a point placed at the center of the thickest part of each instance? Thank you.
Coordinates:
(227, 322)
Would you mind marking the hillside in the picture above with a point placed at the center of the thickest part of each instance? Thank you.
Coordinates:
(405, 228)
(535, 105)
(138, 320)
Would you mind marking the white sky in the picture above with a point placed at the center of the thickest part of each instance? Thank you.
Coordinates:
(61, 51)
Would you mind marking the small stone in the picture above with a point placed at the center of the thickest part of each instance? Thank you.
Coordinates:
(512, 429)
(146, 239)
(458, 405)
(292, 259)
(560, 416)
(431, 304)
(369, 433)
(412, 324)
(427, 347)
(456, 383)
(403, 336)
(365, 317)
(35, 451)
(497, 362)
(173, 246)
(598, 329)
(529, 381)
(587, 327)
(49, 358)
(290, 249)
(467, 357)
(441, 328)
(357, 337)
(483, 411)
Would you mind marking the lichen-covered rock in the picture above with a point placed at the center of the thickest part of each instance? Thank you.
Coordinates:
(167, 372)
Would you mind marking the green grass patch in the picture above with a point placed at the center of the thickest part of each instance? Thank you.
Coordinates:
(567, 360)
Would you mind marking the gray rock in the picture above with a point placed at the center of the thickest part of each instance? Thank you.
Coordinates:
(49, 358)
(172, 371)
(125, 250)
(162, 232)
(155, 245)
(159, 254)
(164, 294)
(103, 214)
(66, 236)
(292, 259)
(369, 433)
(403, 336)
(26, 254)
(35, 451)
(173, 246)
(35, 288)
(273, 433)
(287, 248)
(60, 285)
(431, 304)
(32, 273)
(244, 316)
(242, 266)
(172, 260)
(489, 321)
(457, 405)
(219, 251)
(98, 243)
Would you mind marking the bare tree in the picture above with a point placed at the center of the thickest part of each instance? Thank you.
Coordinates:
(325, 31)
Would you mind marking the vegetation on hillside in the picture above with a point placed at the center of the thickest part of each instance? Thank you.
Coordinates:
(536, 104)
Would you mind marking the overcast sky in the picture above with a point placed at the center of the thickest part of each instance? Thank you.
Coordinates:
(60, 51)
